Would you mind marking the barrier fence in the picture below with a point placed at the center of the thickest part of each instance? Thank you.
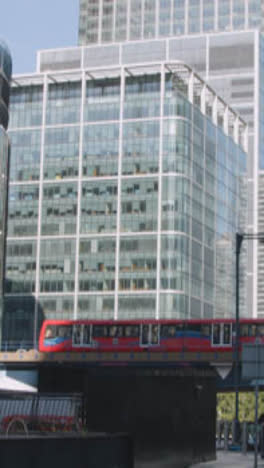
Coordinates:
(225, 436)
(41, 413)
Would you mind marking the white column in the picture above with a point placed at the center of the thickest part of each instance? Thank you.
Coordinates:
(43, 124)
(256, 173)
(203, 99)
(186, 25)
(157, 18)
(114, 22)
(78, 223)
(100, 21)
(128, 19)
(190, 87)
(171, 18)
(215, 111)
(246, 14)
(236, 130)
(226, 112)
(162, 93)
(118, 215)
(142, 18)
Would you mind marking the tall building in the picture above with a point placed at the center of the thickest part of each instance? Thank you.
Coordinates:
(127, 185)
(5, 76)
(221, 40)
(103, 21)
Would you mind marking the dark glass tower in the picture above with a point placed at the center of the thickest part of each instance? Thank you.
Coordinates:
(5, 77)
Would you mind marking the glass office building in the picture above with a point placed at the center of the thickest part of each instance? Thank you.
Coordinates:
(5, 76)
(127, 185)
(103, 21)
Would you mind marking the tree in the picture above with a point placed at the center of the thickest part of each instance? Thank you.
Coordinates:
(226, 406)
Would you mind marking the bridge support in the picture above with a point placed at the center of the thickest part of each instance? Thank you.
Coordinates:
(169, 413)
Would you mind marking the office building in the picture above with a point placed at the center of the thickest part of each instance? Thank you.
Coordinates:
(127, 185)
(104, 21)
(222, 41)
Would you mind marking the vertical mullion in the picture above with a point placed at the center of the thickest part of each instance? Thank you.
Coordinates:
(216, 16)
(77, 237)
(162, 92)
(246, 14)
(114, 22)
(186, 29)
(120, 153)
(142, 18)
(128, 23)
(43, 124)
(100, 21)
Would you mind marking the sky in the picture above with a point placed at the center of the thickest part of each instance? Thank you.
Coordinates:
(31, 25)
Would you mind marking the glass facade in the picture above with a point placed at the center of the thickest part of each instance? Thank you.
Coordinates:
(128, 204)
(103, 21)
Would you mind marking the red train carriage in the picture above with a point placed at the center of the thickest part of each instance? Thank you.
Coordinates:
(159, 335)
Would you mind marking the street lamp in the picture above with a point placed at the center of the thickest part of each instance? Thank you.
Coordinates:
(239, 239)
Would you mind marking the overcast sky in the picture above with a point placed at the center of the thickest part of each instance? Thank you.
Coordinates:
(31, 25)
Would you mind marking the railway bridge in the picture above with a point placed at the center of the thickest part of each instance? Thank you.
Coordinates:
(167, 401)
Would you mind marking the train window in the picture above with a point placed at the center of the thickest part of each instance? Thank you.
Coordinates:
(145, 335)
(100, 331)
(164, 331)
(86, 334)
(227, 334)
(64, 331)
(194, 327)
(244, 330)
(154, 334)
(116, 331)
(51, 331)
(170, 331)
(253, 330)
(261, 330)
(206, 330)
(77, 335)
(216, 334)
(131, 331)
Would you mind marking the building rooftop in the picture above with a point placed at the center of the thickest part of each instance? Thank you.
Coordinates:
(69, 64)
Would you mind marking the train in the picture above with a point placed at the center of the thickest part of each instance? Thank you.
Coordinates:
(58, 336)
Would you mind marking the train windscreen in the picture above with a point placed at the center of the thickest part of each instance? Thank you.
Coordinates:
(56, 334)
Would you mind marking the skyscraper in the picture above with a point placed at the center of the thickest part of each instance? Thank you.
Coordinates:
(126, 185)
(103, 21)
(222, 40)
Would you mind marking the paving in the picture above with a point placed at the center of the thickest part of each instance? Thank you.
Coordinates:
(232, 460)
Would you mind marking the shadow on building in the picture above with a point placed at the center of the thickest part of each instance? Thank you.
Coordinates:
(21, 320)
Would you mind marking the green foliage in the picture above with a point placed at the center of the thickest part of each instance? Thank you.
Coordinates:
(226, 406)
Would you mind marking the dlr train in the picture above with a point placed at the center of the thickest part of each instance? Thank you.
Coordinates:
(155, 335)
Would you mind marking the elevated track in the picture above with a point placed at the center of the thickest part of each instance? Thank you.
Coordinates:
(125, 358)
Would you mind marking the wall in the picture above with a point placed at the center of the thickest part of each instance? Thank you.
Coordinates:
(170, 417)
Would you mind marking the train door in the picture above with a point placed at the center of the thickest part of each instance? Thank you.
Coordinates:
(149, 335)
(81, 335)
(221, 334)
(77, 335)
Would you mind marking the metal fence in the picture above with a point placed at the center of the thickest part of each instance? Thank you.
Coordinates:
(41, 413)
(225, 436)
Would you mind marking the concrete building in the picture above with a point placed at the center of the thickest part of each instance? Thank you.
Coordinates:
(126, 187)
(104, 21)
(5, 76)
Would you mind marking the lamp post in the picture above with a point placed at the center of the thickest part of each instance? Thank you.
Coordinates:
(239, 239)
